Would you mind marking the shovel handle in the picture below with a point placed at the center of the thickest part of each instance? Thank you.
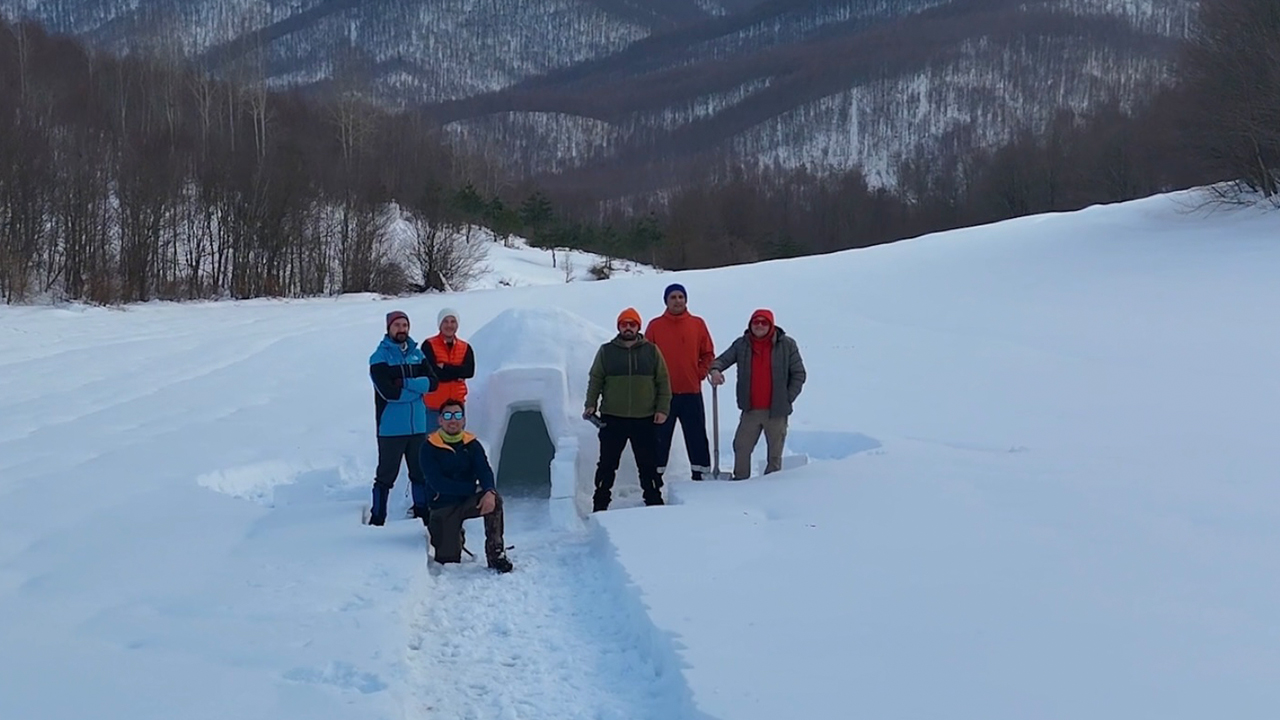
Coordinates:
(715, 429)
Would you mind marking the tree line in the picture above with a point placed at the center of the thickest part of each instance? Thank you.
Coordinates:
(137, 178)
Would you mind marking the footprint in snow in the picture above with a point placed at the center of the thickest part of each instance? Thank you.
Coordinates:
(338, 674)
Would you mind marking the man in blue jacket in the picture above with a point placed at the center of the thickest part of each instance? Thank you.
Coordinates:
(460, 486)
(400, 376)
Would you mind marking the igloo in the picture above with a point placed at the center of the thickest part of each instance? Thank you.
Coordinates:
(525, 405)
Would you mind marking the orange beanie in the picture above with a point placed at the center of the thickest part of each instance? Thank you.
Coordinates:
(629, 314)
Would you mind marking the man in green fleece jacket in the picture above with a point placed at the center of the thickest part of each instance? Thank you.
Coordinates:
(630, 383)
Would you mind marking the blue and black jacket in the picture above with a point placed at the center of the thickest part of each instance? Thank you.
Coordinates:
(454, 472)
(400, 378)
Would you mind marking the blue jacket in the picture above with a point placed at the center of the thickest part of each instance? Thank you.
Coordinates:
(453, 472)
(400, 379)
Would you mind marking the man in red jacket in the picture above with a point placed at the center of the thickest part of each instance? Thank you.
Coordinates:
(686, 346)
(771, 375)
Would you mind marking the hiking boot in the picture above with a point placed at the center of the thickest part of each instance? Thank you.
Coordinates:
(378, 508)
(600, 501)
(501, 563)
(654, 501)
(697, 475)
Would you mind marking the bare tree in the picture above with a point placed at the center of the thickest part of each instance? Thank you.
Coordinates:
(1232, 68)
(446, 258)
(25, 169)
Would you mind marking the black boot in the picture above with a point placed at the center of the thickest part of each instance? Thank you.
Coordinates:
(501, 563)
(378, 511)
(600, 502)
(653, 495)
(653, 492)
(423, 513)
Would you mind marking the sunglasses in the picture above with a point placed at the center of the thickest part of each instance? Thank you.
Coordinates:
(451, 415)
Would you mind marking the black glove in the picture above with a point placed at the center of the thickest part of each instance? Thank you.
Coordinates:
(397, 383)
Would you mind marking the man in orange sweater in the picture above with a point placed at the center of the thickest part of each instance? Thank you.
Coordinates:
(686, 346)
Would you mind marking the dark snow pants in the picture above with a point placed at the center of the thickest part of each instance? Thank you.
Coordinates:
(391, 451)
(445, 529)
(614, 436)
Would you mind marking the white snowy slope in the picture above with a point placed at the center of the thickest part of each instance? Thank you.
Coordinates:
(513, 262)
(1042, 484)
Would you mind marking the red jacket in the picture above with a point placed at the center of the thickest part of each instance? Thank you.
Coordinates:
(686, 345)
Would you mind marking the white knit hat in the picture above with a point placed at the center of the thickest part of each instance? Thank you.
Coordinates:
(446, 312)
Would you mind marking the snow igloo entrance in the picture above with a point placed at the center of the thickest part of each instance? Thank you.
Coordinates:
(524, 469)
(526, 403)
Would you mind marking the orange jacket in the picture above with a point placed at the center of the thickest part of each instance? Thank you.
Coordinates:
(453, 364)
(686, 346)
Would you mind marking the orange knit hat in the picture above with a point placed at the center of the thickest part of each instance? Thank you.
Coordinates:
(629, 314)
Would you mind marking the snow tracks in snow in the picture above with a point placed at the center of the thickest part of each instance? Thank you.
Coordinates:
(563, 637)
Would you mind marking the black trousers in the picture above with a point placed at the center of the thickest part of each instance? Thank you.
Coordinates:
(445, 529)
(391, 451)
(614, 436)
(689, 410)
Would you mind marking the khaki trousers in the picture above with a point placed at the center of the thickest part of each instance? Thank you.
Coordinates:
(750, 425)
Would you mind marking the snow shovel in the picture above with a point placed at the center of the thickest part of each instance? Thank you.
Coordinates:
(716, 474)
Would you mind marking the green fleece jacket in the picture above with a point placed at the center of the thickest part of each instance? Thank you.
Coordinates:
(629, 382)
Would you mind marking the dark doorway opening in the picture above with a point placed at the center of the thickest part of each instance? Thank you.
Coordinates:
(524, 470)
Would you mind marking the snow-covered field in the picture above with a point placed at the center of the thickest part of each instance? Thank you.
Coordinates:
(1043, 484)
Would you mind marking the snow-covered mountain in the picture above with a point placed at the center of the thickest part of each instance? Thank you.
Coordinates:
(553, 85)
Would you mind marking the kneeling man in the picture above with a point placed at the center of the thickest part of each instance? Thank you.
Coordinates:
(460, 486)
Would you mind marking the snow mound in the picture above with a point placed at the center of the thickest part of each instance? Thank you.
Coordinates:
(538, 359)
(538, 337)
(255, 482)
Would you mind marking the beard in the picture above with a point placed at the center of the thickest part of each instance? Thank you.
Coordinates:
(400, 337)
(628, 335)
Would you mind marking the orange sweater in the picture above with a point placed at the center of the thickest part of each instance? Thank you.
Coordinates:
(686, 346)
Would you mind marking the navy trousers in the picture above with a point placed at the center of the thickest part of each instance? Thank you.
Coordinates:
(689, 410)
